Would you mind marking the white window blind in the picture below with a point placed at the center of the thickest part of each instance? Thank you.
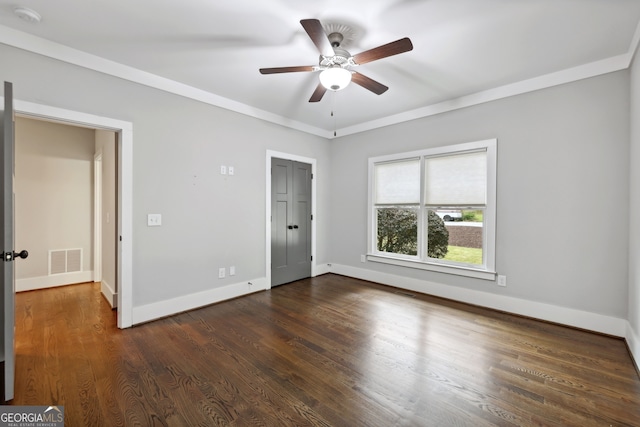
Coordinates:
(456, 180)
(397, 182)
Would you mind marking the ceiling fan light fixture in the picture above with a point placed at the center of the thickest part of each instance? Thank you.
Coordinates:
(335, 78)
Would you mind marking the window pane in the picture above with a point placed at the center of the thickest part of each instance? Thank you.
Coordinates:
(465, 239)
(459, 179)
(437, 235)
(397, 230)
(397, 182)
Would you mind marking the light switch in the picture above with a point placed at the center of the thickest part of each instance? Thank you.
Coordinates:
(231, 170)
(154, 220)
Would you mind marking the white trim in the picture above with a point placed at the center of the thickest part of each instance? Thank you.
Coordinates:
(548, 312)
(581, 72)
(322, 269)
(60, 52)
(97, 216)
(109, 293)
(487, 271)
(63, 53)
(286, 156)
(125, 189)
(633, 47)
(633, 341)
(62, 279)
(440, 268)
(124, 273)
(183, 303)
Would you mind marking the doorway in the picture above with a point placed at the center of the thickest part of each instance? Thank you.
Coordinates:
(53, 205)
(124, 132)
(291, 229)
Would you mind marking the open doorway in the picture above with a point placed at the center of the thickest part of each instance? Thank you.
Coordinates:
(65, 205)
(124, 177)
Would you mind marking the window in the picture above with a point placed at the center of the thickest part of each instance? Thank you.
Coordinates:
(435, 209)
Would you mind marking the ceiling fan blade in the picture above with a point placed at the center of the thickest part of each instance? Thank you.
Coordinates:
(368, 83)
(314, 29)
(287, 69)
(389, 49)
(318, 93)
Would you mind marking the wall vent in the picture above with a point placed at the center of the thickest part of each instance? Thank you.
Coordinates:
(65, 261)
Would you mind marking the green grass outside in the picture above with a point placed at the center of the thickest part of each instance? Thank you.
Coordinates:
(466, 255)
(473, 216)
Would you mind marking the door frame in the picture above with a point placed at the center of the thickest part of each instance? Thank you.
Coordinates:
(286, 156)
(124, 130)
(97, 216)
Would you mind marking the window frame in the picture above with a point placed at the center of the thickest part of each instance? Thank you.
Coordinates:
(421, 261)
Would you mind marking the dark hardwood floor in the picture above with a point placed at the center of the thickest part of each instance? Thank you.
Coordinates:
(328, 351)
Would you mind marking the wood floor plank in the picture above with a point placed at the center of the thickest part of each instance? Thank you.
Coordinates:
(327, 351)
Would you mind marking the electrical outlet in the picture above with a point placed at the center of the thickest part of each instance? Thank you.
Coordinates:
(154, 220)
(223, 170)
(363, 258)
(232, 270)
(502, 280)
(222, 272)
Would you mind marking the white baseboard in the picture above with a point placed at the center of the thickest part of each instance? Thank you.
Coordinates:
(321, 269)
(109, 293)
(157, 310)
(633, 341)
(43, 282)
(551, 313)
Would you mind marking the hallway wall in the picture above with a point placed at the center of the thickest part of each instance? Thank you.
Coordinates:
(54, 196)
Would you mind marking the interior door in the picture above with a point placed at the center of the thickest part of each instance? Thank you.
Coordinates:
(290, 221)
(6, 237)
(7, 355)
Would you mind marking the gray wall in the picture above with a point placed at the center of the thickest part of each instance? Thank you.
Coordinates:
(563, 171)
(563, 182)
(209, 220)
(54, 194)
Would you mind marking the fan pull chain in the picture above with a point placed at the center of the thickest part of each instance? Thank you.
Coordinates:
(334, 123)
(333, 107)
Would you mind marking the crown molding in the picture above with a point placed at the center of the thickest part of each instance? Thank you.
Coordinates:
(586, 71)
(44, 47)
(69, 55)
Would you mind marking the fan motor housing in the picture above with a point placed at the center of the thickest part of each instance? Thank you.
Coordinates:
(341, 58)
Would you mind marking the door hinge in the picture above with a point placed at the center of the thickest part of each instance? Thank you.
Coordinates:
(311, 176)
(311, 257)
(311, 217)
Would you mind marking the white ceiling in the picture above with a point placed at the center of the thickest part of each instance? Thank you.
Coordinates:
(465, 51)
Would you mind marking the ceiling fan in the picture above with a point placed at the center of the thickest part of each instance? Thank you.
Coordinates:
(335, 62)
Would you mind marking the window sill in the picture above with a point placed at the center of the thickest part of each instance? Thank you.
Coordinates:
(421, 265)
